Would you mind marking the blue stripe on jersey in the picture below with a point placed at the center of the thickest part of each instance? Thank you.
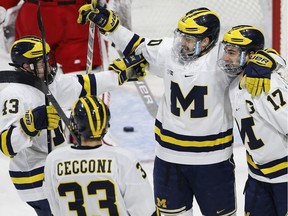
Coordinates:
(130, 46)
(178, 142)
(269, 170)
(81, 81)
(29, 179)
(93, 89)
(88, 83)
(5, 142)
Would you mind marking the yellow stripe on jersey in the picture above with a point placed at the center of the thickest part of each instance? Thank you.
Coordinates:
(28, 180)
(268, 170)
(5, 142)
(86, 85)
(275, 168)
(191, 143)
(4, 147)
(136, 44)
(251, 162)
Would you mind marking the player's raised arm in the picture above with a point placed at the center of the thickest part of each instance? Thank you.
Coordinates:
(108, 23)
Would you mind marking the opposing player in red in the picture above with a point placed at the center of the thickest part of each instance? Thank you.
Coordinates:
(63, 33)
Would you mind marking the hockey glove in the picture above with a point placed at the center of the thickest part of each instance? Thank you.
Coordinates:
(257, 73)
(106, 20)
(129, 68)
(42, 117)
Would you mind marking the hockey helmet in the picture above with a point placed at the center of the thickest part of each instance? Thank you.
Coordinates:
(29, 50)
(242, 40)
(90, 117)
(196, 25)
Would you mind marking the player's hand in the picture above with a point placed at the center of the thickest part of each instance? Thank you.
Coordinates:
(106, 20)
(257, 73)
(129, 68)
(42, 117)
(138, 72)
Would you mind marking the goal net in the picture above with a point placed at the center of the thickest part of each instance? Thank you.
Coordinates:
(158, 18)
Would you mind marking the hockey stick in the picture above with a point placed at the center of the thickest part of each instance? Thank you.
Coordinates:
(145, 94)
(103, 57)
(31, 80)
(41, 28)
(147, 97)
(91, 38)
(141, 86)
(45, 89)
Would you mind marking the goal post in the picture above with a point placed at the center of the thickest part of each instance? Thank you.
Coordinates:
(280, 30)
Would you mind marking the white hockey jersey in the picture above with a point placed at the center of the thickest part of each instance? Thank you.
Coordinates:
(263, 126)
(28, 154)
(103, 180)
(194, 120)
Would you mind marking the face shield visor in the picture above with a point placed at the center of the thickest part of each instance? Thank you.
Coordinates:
(231, 58)
(186, 47)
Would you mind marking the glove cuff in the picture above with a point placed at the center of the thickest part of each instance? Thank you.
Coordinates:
(27, 125)
(265, 54)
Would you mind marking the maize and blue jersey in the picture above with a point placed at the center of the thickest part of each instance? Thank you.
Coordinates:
(28, 154)
(263, 126)
(194, 120)
(101, 180)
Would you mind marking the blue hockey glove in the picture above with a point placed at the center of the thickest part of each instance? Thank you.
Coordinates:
(106, 20)
(42, 117)
(129, 68)
(257, 73)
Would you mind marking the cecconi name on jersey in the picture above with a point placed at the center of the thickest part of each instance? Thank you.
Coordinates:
(71, 167)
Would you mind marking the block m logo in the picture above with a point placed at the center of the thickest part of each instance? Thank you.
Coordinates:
(196, 96)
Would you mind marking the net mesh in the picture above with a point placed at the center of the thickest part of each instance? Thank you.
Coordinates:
(158, 18)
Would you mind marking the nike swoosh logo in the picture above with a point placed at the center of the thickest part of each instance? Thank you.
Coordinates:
(218, 212)
(189, 75)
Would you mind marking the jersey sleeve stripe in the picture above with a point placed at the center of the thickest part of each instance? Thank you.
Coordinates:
(5, 142)
(133, 44)
(88, 82)
(29, 179)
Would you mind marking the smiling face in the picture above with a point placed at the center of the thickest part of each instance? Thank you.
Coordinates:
(188, 47)
(187, 44)
(231, 55)
(231, 58)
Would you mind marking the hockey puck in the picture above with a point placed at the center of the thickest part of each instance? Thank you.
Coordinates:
(128, 129)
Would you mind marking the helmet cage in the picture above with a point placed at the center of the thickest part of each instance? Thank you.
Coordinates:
(183, 52)
(233, 67)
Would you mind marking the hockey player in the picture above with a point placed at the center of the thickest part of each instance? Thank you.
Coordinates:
(69, 37)
(24, 117)
(193, 127)
(63, 33)
(95, 179)
(262, 121)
